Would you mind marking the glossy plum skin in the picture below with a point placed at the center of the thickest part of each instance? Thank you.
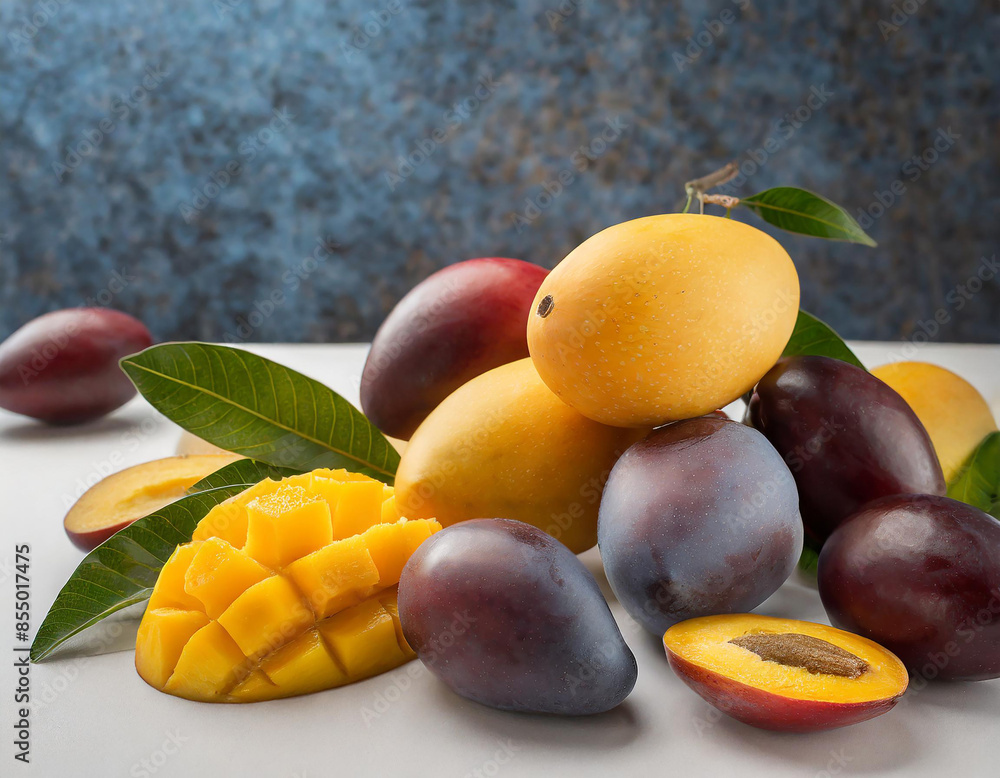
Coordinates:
(62, 367)
(847, 437)
(919, 574)
(698, 519)
(507, 616)
(458, 323)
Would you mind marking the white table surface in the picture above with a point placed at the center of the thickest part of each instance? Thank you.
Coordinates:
(93, 716)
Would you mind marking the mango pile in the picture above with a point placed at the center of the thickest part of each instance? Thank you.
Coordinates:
(286, 588)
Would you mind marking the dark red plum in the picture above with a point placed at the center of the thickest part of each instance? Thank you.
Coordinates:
(62, 367)
(456, 324)
(700, 518)
(920, 575)
(507, 616)
(847, 437)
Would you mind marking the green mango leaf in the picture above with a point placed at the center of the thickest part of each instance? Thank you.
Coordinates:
(242, 472)
(123, 569)
(809, 560)
(978, 482)
(250, 405)
(806, 213)
(817, 338)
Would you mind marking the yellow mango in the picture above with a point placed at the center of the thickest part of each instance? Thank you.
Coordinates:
(956, 416)
(503, 445)
(290, 610)
(663, 318)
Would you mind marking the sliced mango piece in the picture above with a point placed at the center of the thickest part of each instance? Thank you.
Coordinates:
(336, 576)
(352, 633)
(208, 666)
(359, 507)
(391, 545)
(286, 524)
(304, 666)
(277, 603)
(162, 636)
(266, 616)
(219, 573)
(169, 591)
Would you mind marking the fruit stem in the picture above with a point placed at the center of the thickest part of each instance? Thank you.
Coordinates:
(699, 186)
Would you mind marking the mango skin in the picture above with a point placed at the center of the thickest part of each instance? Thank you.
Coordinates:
(663, 318)
(456, 324)
(953, 412)
(504, 446)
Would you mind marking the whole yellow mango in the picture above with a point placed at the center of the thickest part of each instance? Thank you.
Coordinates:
(663, 318)
(956, 416)
(503, 446)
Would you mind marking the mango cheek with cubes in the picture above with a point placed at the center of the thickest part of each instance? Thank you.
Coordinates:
(287, 588)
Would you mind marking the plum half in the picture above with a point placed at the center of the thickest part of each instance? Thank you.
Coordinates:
(783, 674)
(920, 574)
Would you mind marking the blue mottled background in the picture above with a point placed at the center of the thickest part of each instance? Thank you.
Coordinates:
(117, 118)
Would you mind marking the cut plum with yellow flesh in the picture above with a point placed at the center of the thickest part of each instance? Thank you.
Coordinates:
(115, 502)
(267, 601)
(783, 674)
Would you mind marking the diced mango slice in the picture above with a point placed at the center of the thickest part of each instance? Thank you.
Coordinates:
(359, 507)
(352, 633)
(287, 524)
(389, 513)
(208, 666)
(270, 601)
(169, 591)
(266, 616)
(391, 545)
(162, 636)
(219, 573)
(255, 688)
(304, 666)
(336, 576)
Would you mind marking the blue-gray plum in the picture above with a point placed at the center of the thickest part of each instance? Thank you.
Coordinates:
(700, 518)
(507, 616)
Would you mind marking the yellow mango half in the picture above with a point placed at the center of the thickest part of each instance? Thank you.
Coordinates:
(288, 588)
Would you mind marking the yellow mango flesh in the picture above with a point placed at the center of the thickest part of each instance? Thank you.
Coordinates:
(956, 416)
(663, 318)
(274, 597)
(504, 445)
